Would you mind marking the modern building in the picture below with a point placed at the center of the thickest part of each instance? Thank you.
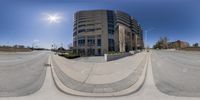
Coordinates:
(97, 32)
(178, 44)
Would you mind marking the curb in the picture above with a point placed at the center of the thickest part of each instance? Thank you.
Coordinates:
(134, 88)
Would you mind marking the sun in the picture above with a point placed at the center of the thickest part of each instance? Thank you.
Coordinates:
(54, 18)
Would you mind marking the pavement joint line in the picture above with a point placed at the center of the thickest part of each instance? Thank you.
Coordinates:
(90, 72)
(133, 88)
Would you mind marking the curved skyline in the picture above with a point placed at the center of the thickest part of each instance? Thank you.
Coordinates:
(22, 21)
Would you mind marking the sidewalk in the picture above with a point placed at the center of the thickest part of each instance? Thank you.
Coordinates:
(95, 79)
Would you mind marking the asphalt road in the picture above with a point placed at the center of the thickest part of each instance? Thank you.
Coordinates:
(22, 73)
(177, 73)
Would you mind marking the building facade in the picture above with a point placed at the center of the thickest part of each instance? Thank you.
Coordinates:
(178, 44)
(97, 32)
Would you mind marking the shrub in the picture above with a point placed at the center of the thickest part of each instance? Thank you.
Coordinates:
(69, 55)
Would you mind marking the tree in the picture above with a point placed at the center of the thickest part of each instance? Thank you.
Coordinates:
(162, 43)
(165, 43)
(70, 46)
(196, 45)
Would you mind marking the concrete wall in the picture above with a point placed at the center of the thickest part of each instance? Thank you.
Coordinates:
(110, 57)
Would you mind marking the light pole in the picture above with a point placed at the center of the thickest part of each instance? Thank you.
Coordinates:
(146, 45)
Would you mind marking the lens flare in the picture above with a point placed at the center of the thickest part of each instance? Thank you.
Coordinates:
(54, 18)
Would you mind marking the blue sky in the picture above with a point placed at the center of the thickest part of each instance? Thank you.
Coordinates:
(22, 21)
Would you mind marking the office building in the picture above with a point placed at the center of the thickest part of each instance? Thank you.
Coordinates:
(97, 32)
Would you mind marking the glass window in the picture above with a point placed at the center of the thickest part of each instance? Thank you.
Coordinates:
(75, 43)
(91, 41)
(99, 51)
(82, 30)
(81, 41)
(111, 45)
(81, 25)
(90, 30)
(98, 42)
(110, 31)
(90, 51)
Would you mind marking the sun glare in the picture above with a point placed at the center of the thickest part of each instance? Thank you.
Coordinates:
(54, 18)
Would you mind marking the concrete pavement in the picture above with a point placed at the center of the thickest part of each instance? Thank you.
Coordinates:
(147, 92)
(177, 73)
(100, 79)
(125, 86)
(21, 73)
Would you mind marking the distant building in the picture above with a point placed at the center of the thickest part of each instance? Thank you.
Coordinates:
(19, 46)
(178, 44)
(97, 32)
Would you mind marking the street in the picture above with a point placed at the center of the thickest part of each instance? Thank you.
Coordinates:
(21, 73)
(177, 72)
(162, 67)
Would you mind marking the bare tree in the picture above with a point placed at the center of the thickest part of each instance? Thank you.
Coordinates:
(70, 46)
(196, 45)
(162, 43)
